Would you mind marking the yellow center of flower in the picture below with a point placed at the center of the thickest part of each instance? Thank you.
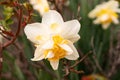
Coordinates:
(46, 9)
(53, 26)
(39, 1)
(109, 14)
(57, 50)
(38, 37)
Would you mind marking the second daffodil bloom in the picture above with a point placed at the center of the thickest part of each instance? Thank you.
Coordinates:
(54, 38)
(41, 6)
(106, 13)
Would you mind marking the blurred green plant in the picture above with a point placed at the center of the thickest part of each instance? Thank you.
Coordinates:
(7, 13)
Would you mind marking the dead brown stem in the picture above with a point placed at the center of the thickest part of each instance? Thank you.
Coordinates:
(77, 62)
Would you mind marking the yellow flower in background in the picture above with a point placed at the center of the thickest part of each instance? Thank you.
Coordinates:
(106, 13)
(54, 38)
(41, 6)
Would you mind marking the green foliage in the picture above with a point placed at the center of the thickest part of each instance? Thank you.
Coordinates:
(18, 73)
(8, 13)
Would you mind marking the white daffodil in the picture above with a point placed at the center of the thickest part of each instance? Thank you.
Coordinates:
(106, 13)
(54, 38)
(41, 6)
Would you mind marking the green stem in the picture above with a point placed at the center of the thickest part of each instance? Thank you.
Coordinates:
(58, 75)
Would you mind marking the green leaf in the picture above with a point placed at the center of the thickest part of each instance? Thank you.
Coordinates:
(9, 21)
(8, 12)
(18, 72)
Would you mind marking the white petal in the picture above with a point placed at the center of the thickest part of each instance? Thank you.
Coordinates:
(70, 28)
(93, 13)
(97, 21)
(67, 48)
(54, 64)
(52, 17)
(42, 9)
(104, 17)
(96, 10)
(74, 38)
(112, 4)
(34, 30)
(105, 26)
(45, 2)
(48, 45)
(117, 10)
(38, 54)
(32, 1)
(50, 55)
(74, 55)
(100, 19)
(115, 20)
(36, 2)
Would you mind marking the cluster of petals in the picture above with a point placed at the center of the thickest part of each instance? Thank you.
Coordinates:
(54, 38)
(41, 6)
(106, 13)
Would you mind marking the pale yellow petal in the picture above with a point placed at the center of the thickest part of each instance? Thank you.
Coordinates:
(50, 54)
(54, 64)
(104, 17)
(74, 38)
(36, 32)
(38, 55)
(112, 4)
(115, 20)
(97, 21)
(32, 1)
(93, 13)
(74, 55)
(105, 26)
(42, 9)
(48, 45)
(67, 48)
(70, 29)
(51, 17)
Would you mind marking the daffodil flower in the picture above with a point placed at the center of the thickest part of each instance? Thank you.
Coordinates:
(41, 6)
(106, 13)
(54, 38)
